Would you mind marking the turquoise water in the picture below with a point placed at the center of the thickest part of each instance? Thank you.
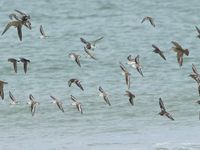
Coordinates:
(119, 126)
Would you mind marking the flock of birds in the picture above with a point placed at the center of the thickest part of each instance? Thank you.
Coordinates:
(20, 19)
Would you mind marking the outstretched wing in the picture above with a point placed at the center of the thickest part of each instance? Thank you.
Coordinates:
(97, 40)
(83, 41)
(197, 29)
(152, 22)
(194, 69)
(176, 44)
(41, 30)
(154, 46)
(6, 28)
(12, 97)
(162, 107)
(19, 31)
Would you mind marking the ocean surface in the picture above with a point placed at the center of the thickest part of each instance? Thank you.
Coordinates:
(116, 127)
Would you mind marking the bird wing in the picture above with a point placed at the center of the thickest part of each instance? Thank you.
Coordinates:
(162, 55)
(79, 107)
(127, 78)
(12, 97)
(97, 40)
(73, 99)
(123, 67)
(20, 12)
(31, 97)
(15, 66)
(79, 85)
(180, 58)
(169, 116)
(137, 59)
(59, 104)
(140, 71)
(19, 31)
(105, 97)
(1, 91)
(130, 58)
(152, 22)
(154, 46)
(197, 29)
(41, 30)
(101, 90)
(143, 19)
(78, 61)
(176, 44)
(162, 107)
(6, 28)
(83, 41)
(25, 66)
(194, 69)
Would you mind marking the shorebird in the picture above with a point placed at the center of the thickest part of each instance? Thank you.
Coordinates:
(90, 45)
(14, 101)
(198, 30)
(77, 82)
(43, 35)
(25, 62)
(131, 97)
(135, 63)
(150, 19)
(77, 104)
(14, 62)
(163, 111)
(89, 53)
(75, 58)
(58, 103)
(104, 95)
(126, 74)
(196, 77)
(180, 51)
(34, 104)
(158, 51)
(1, 88)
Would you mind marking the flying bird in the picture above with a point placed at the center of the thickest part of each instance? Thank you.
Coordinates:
(180, 52)
(104, 95)
(158, 51)
(90, 45)
(1, 88)
(43, 35)
(77, 104)
(14, 62)
(58, 103)
(126, 74)
(150, 19)
(75, 58)
(135, 63)
(77, 82)
(131, 97)
(163, 111)
(34, 104)
(25, 62)
(14, 101)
